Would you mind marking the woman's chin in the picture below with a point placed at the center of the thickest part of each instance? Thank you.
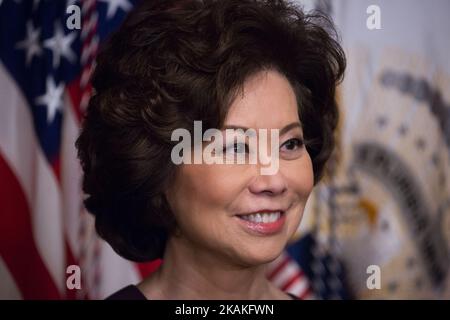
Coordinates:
(254, 258)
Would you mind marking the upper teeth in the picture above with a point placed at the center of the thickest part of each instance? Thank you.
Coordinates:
(264, 217)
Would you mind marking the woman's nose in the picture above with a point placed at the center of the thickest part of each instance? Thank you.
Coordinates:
(269, 184)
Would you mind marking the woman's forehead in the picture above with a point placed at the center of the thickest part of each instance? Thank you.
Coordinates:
(268, 100)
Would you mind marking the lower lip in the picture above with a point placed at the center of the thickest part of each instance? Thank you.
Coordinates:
(264, 229)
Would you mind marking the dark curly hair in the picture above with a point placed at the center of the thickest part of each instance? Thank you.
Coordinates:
(173, 62)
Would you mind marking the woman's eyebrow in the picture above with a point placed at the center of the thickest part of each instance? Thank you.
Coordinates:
(282, 131)
(290, 127)
(233, 127)
(287, 128)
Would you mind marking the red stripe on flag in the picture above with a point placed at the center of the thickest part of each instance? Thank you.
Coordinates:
(306, 293)
(17, 245)
(278, 268)
(75, 93)
(290, 281)
(56, 167)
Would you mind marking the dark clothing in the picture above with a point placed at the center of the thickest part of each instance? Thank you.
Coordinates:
(131, 292)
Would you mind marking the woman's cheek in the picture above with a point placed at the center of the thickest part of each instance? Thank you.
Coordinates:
(300, 176)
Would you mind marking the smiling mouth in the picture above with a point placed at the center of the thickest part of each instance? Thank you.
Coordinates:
(262, 223)
(262, 217)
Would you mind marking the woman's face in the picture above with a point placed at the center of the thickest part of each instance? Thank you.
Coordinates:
(216, 205)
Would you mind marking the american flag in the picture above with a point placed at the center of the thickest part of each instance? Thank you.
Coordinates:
(45, 68)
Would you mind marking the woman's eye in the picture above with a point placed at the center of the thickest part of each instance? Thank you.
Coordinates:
(237, 148)
(292, 144)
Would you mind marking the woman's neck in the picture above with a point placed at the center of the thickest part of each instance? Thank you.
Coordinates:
(190, 273)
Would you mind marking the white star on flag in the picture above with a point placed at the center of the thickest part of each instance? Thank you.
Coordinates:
(31, 43)
(60, 45)
(114, 5)
(52, 98)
